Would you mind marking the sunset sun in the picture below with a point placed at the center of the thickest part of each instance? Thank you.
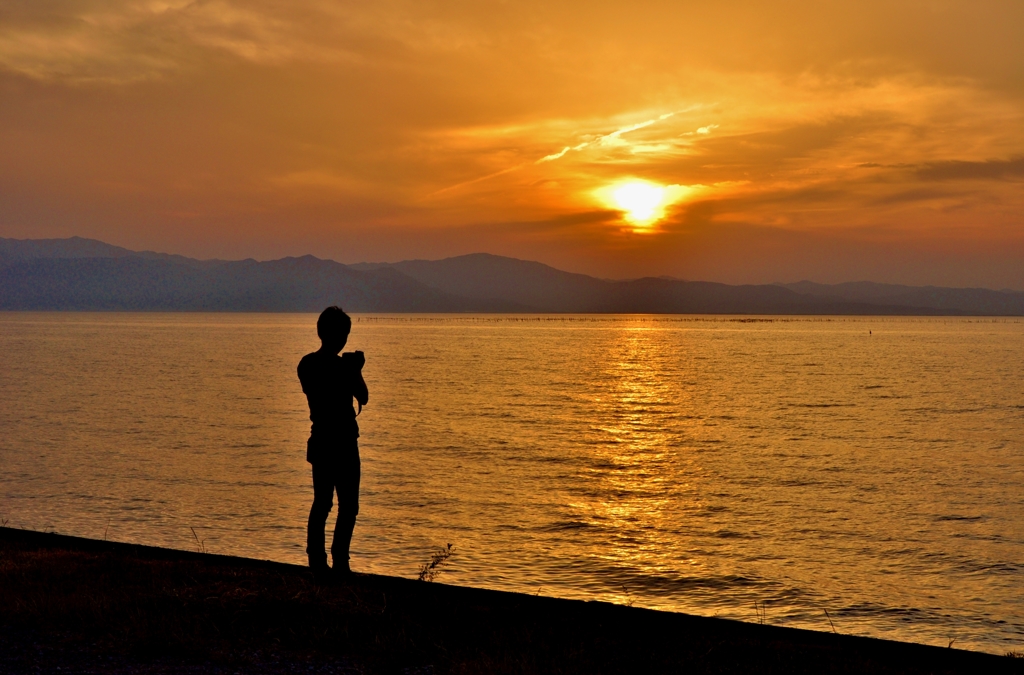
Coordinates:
(641, 202)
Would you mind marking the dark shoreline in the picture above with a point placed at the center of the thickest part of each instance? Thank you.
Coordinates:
(89, 606)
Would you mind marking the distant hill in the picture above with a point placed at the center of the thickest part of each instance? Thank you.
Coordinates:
(85, 274)
(486, 277)
(979, 301)
(13, 250)
(543, 288)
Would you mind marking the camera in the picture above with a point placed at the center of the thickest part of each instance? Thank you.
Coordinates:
(354, 359)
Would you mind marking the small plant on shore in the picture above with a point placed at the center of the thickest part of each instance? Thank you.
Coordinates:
(1015, 655)
(430, 570)
(830, 622)
(200, 543)
(761, 611)
(3, 523)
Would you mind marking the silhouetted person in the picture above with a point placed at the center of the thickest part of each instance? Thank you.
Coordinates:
(330, 382)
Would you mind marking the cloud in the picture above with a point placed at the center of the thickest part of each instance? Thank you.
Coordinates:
(91, 41)
(992, 169)
(560, 153)
(613, 139)
(112, 40)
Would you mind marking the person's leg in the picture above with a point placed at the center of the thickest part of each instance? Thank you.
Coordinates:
(347, 482)
(323, 501)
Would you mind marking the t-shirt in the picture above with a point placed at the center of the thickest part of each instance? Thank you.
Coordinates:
(329, 382)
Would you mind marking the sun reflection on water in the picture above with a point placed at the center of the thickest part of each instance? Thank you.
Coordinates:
(638, 465)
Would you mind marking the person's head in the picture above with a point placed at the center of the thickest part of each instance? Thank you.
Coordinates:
(333, 327)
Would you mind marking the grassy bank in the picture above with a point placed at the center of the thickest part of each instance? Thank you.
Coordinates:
(88, 606)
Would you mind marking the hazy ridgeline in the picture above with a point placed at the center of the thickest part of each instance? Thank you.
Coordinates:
(691, 463)
(88, 275)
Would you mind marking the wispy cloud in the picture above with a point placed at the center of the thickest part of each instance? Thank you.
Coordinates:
(602, 139)
(479, 179)
(992, 169)
(611, 139)
(560, 153)
(125, 41)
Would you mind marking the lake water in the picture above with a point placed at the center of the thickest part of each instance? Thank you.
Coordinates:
(870, 467)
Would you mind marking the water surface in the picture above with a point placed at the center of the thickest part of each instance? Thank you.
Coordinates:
(871, 467)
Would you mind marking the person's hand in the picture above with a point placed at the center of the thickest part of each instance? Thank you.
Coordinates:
(359, 359)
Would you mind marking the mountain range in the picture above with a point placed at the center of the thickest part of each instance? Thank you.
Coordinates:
(89, 275)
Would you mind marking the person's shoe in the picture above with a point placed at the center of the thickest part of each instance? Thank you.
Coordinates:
(341, 570)
(322, 574)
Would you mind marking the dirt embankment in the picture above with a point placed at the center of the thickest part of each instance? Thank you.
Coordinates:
(95, 607)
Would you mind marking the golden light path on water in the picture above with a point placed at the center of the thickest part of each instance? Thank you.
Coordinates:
(696, 464)
(637, 453)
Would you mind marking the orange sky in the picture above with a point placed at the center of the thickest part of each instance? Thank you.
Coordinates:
(827, 140)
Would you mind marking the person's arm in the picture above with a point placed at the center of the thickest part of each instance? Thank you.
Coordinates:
(359, 389)
(360, 392)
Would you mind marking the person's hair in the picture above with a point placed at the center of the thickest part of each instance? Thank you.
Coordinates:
(333, 323)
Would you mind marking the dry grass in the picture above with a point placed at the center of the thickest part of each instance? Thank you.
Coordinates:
(430, 570)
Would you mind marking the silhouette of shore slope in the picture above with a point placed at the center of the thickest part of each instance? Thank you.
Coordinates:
(84, 605)
(88, 275)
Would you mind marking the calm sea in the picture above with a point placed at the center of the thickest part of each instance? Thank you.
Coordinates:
(870, 467)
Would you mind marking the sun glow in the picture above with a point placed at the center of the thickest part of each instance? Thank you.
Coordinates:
(642, 202)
